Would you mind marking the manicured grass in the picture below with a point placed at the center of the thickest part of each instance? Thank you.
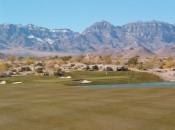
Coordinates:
(47, 103)
(121, 77)
(95, 76)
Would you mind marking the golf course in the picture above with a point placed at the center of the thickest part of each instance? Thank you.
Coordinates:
(54, 103)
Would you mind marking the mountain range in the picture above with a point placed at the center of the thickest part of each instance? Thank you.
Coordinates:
(137, 38)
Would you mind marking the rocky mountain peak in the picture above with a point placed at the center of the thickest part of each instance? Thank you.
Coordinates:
(99, 27)
(65, 30)
(31, 25)
(151, 36)
(150, 26)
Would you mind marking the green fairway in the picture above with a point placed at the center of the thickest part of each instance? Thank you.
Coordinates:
(51, 103)
(95, 76)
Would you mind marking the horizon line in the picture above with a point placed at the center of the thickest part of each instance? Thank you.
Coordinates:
(100, 21)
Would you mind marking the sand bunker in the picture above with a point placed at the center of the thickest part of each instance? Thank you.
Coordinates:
(2, 82)
(68, 77)
(85, 81)
(16, 82)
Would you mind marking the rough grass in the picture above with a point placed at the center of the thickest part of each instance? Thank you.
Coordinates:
(46, 103)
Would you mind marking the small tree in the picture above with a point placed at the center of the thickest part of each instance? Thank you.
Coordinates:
(56, 57)
(133, 61)
(12, 59)
(20, 58)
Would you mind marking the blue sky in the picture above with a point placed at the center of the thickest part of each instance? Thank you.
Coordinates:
(79, 14)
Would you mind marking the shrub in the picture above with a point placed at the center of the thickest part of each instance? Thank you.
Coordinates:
(4, 67)
(56, 57)
(117, 62)
(107, 59)
(66, 58)
(20, 58)
(169, 64)
(133, 61)
(12, 58)
(170, 59)
(140, 66)
(39, 70)
(30, 60)
(58, 72)
(79, 58)
(49, 64)
(148, 65)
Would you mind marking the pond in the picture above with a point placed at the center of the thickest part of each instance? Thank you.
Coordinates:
(158, 84)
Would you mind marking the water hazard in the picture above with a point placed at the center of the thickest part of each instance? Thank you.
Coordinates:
(158, 84)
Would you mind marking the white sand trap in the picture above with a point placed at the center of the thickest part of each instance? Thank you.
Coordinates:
(16, 82)
(85, 81)
(2, 82)
(68, 77)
